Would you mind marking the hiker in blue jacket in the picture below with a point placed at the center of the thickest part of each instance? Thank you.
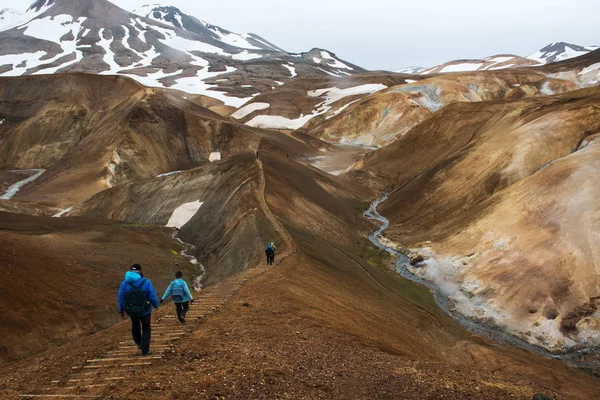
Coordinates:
(136, 298)
(270, 252)
(181, 296)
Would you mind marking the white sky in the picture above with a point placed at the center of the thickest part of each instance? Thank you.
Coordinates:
(390, 34)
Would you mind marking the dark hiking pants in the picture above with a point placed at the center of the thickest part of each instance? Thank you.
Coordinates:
(141, 331)
(270, 258)
(182, 309)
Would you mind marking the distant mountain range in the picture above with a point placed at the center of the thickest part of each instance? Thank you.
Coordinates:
(156, 45)
(554, 52)
(161, 46)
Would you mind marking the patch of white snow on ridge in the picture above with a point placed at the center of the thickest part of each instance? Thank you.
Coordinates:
(183, 214)
(245, 56)
(49, 28)
(169, 173)
(331, 95)
(591, 68)
(410, 81)
(461, 67)
(291, 68)
(16, 59)
(194, 84)
(329, 73)
(109, 56)
(153, 79)
(62, 212)
(249, 109)
(234, 39)
(334, 62)
(186, 45)
(279, 122)
(214, 156)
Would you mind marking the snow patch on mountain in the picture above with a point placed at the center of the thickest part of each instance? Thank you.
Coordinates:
(245, 56)
(279, 122)
(53, 28)
(334, 94)
(183, 214)
(329, 96)
(461, 67)
(332, 61)
(109, 56)
(249, 109)
(291, 68)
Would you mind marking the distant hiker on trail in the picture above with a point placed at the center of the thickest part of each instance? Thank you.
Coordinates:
(270, 252)
(181, 296)
(136, 298)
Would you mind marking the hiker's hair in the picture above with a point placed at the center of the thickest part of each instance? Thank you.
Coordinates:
(178, 274)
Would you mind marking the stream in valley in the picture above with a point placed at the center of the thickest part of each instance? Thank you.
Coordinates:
(442, 300)
(14, 189)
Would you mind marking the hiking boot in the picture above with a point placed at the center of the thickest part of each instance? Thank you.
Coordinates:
(181, 319)
(139, 346)
(149, 353)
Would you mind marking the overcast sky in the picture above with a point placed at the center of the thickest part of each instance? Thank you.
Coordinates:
(390, 34)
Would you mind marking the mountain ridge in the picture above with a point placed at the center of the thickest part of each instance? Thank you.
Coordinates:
(100, 37)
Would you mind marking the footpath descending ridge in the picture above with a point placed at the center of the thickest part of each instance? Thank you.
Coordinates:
(94, 378)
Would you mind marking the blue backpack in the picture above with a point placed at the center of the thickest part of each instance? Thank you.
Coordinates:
(136, 300)
(177, 293)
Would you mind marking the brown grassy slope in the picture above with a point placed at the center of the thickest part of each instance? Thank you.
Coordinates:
(92, 132)
(60, 276)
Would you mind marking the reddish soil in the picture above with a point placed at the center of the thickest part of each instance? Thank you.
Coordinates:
(57, 274)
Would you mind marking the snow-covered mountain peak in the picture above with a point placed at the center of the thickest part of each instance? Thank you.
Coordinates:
(165, 14)
(559, 51)
(157, 45)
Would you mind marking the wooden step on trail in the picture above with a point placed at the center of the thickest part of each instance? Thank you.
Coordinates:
(94, 360)
(72, 396)
(119, 363)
